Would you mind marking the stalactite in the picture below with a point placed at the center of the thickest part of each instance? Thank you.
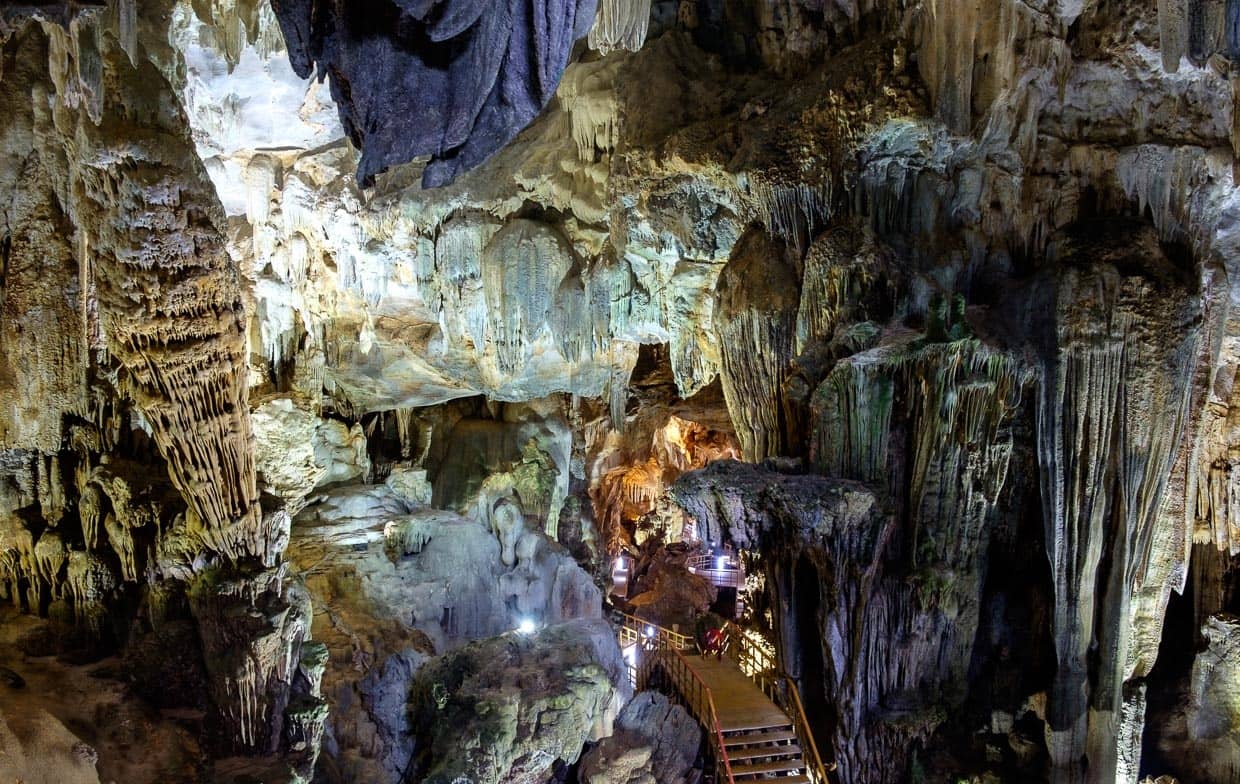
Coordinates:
(1109, 424)
(847, 279)
(522, 268)
(793, 212)
(408, 536)
(1235, 116)
(755, 324)
(50, 556)
(405, 432)
(625, 359)
(126, 25)
(253, 656)
(854, 405)
(185, 355)
(121, 540)
(1173, 32)
(588, 93)
(91, 581)
(90, 513)
(570, 320)
(459, 245)
(620, 24)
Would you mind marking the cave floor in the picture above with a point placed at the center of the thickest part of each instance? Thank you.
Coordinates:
(132, 740)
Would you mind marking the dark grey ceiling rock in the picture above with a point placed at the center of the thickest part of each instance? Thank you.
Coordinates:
(453, 79)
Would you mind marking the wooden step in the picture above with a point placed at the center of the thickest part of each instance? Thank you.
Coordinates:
(780, 735)
(779, 766)
(758, 752)
(799, 778)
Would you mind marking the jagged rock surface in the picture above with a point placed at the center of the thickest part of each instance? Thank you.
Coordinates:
(1204, 737)
(506, 709)
(393, 582)
(655, 741)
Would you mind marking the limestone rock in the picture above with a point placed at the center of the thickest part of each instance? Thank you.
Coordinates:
(252, 629)
(1204, 741)
(755, 323)
(1112, 328)
(284, 438)
(655, 742)
(505, 709)
(340, 453)
(965, 271)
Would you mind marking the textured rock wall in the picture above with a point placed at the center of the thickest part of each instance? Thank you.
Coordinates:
(508, 708)
(1111, 415)
(893, 595)
(160, 304)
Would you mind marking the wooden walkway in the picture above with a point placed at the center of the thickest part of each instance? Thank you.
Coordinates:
(754, 739)
(751, 712)
(741, 704)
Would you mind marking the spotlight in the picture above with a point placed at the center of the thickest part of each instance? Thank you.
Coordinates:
(722, 563)
(649, 631)
(620, 564)
(527, 626)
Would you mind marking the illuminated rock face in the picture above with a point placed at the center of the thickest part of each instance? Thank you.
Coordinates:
(506, 709)
(963, 275)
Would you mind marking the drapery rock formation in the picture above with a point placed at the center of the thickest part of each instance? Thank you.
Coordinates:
(957, 280)
(453, 79)
(1111, 412)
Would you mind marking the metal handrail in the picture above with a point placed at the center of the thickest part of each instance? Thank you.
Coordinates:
(638, 630)
(801, 728)
(699, 698)
(758, 665)
(704, 566)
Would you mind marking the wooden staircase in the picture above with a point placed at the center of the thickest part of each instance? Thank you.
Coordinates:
(751, 712)
(769, 754)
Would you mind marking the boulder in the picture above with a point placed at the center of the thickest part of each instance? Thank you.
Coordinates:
(505, 710)
(656, 742)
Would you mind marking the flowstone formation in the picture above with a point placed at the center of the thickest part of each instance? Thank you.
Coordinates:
(925, 307)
